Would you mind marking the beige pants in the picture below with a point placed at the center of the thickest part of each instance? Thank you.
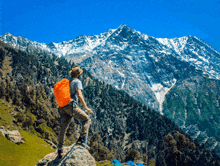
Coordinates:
(65, 113)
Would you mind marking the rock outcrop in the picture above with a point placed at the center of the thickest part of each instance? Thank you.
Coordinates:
(13, 136)
(74, 155)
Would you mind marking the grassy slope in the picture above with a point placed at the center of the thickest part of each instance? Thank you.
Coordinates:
(27, 154)
(104, 163)
(5, 115)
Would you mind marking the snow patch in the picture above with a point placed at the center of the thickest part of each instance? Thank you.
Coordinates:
(198, 63)
(145, 37)
(123, 84)
(176, 44)
(207, 45)
(121, 73)
(192, 59)
(214, 145)
(185, 114)
(203, 59)
(160, 93)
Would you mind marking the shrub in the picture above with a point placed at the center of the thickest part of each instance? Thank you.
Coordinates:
(46, 132)
(132, 155)
(145, 158)
(33, 131)
(100, 152)
(30, 119)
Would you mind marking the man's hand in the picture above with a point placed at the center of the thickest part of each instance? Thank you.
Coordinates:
(89, 110)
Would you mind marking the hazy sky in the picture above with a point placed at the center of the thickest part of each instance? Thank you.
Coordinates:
(61, 20)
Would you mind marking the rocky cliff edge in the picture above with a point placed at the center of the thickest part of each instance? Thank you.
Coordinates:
(74, 155)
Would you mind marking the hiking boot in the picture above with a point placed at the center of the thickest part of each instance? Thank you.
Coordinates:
(60, 153)
(81, 142)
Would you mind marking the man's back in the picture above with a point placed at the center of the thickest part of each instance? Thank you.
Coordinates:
(75, 85)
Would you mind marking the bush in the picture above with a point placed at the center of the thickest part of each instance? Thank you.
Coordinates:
(20, 117)
(145, 158)
(100, 152)
(132, 155)
(29, 119)
(33, 131)
(46, 132)
(70, 140)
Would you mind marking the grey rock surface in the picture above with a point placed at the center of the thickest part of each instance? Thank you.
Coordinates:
(74, 155)
(13, 136)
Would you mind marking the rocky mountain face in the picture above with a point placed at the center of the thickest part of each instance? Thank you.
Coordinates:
(145, 67)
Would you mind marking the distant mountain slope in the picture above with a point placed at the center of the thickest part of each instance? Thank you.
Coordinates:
(144, 66)
(194, 104)
(122, 122)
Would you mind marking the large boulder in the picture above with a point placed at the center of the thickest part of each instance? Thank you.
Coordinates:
(74, 155)
(13, 136)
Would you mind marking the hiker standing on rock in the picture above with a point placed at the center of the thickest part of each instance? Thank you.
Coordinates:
(72, 109)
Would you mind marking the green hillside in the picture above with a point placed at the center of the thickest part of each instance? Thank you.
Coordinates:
(196, 101)
(27, 154)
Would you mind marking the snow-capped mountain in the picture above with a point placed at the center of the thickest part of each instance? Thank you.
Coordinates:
(78, 45)
(194, 51)
(144, 66)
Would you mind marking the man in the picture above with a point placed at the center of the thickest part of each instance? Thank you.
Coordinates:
(72, 109)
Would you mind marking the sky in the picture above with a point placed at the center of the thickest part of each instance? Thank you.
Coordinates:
(48, 21)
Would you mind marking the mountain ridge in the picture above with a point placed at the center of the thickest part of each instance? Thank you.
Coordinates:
(43, 45)
(137, 52)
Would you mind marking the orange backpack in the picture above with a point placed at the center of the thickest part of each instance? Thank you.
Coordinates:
(62, 92)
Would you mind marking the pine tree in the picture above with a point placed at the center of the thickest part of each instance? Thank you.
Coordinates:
(17, 98)
(2, 88)
(41, 107)
(26, 99)
(53, 101)
(33, 98)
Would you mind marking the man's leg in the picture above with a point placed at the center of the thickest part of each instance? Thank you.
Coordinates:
(64, 123)
(86, 121)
